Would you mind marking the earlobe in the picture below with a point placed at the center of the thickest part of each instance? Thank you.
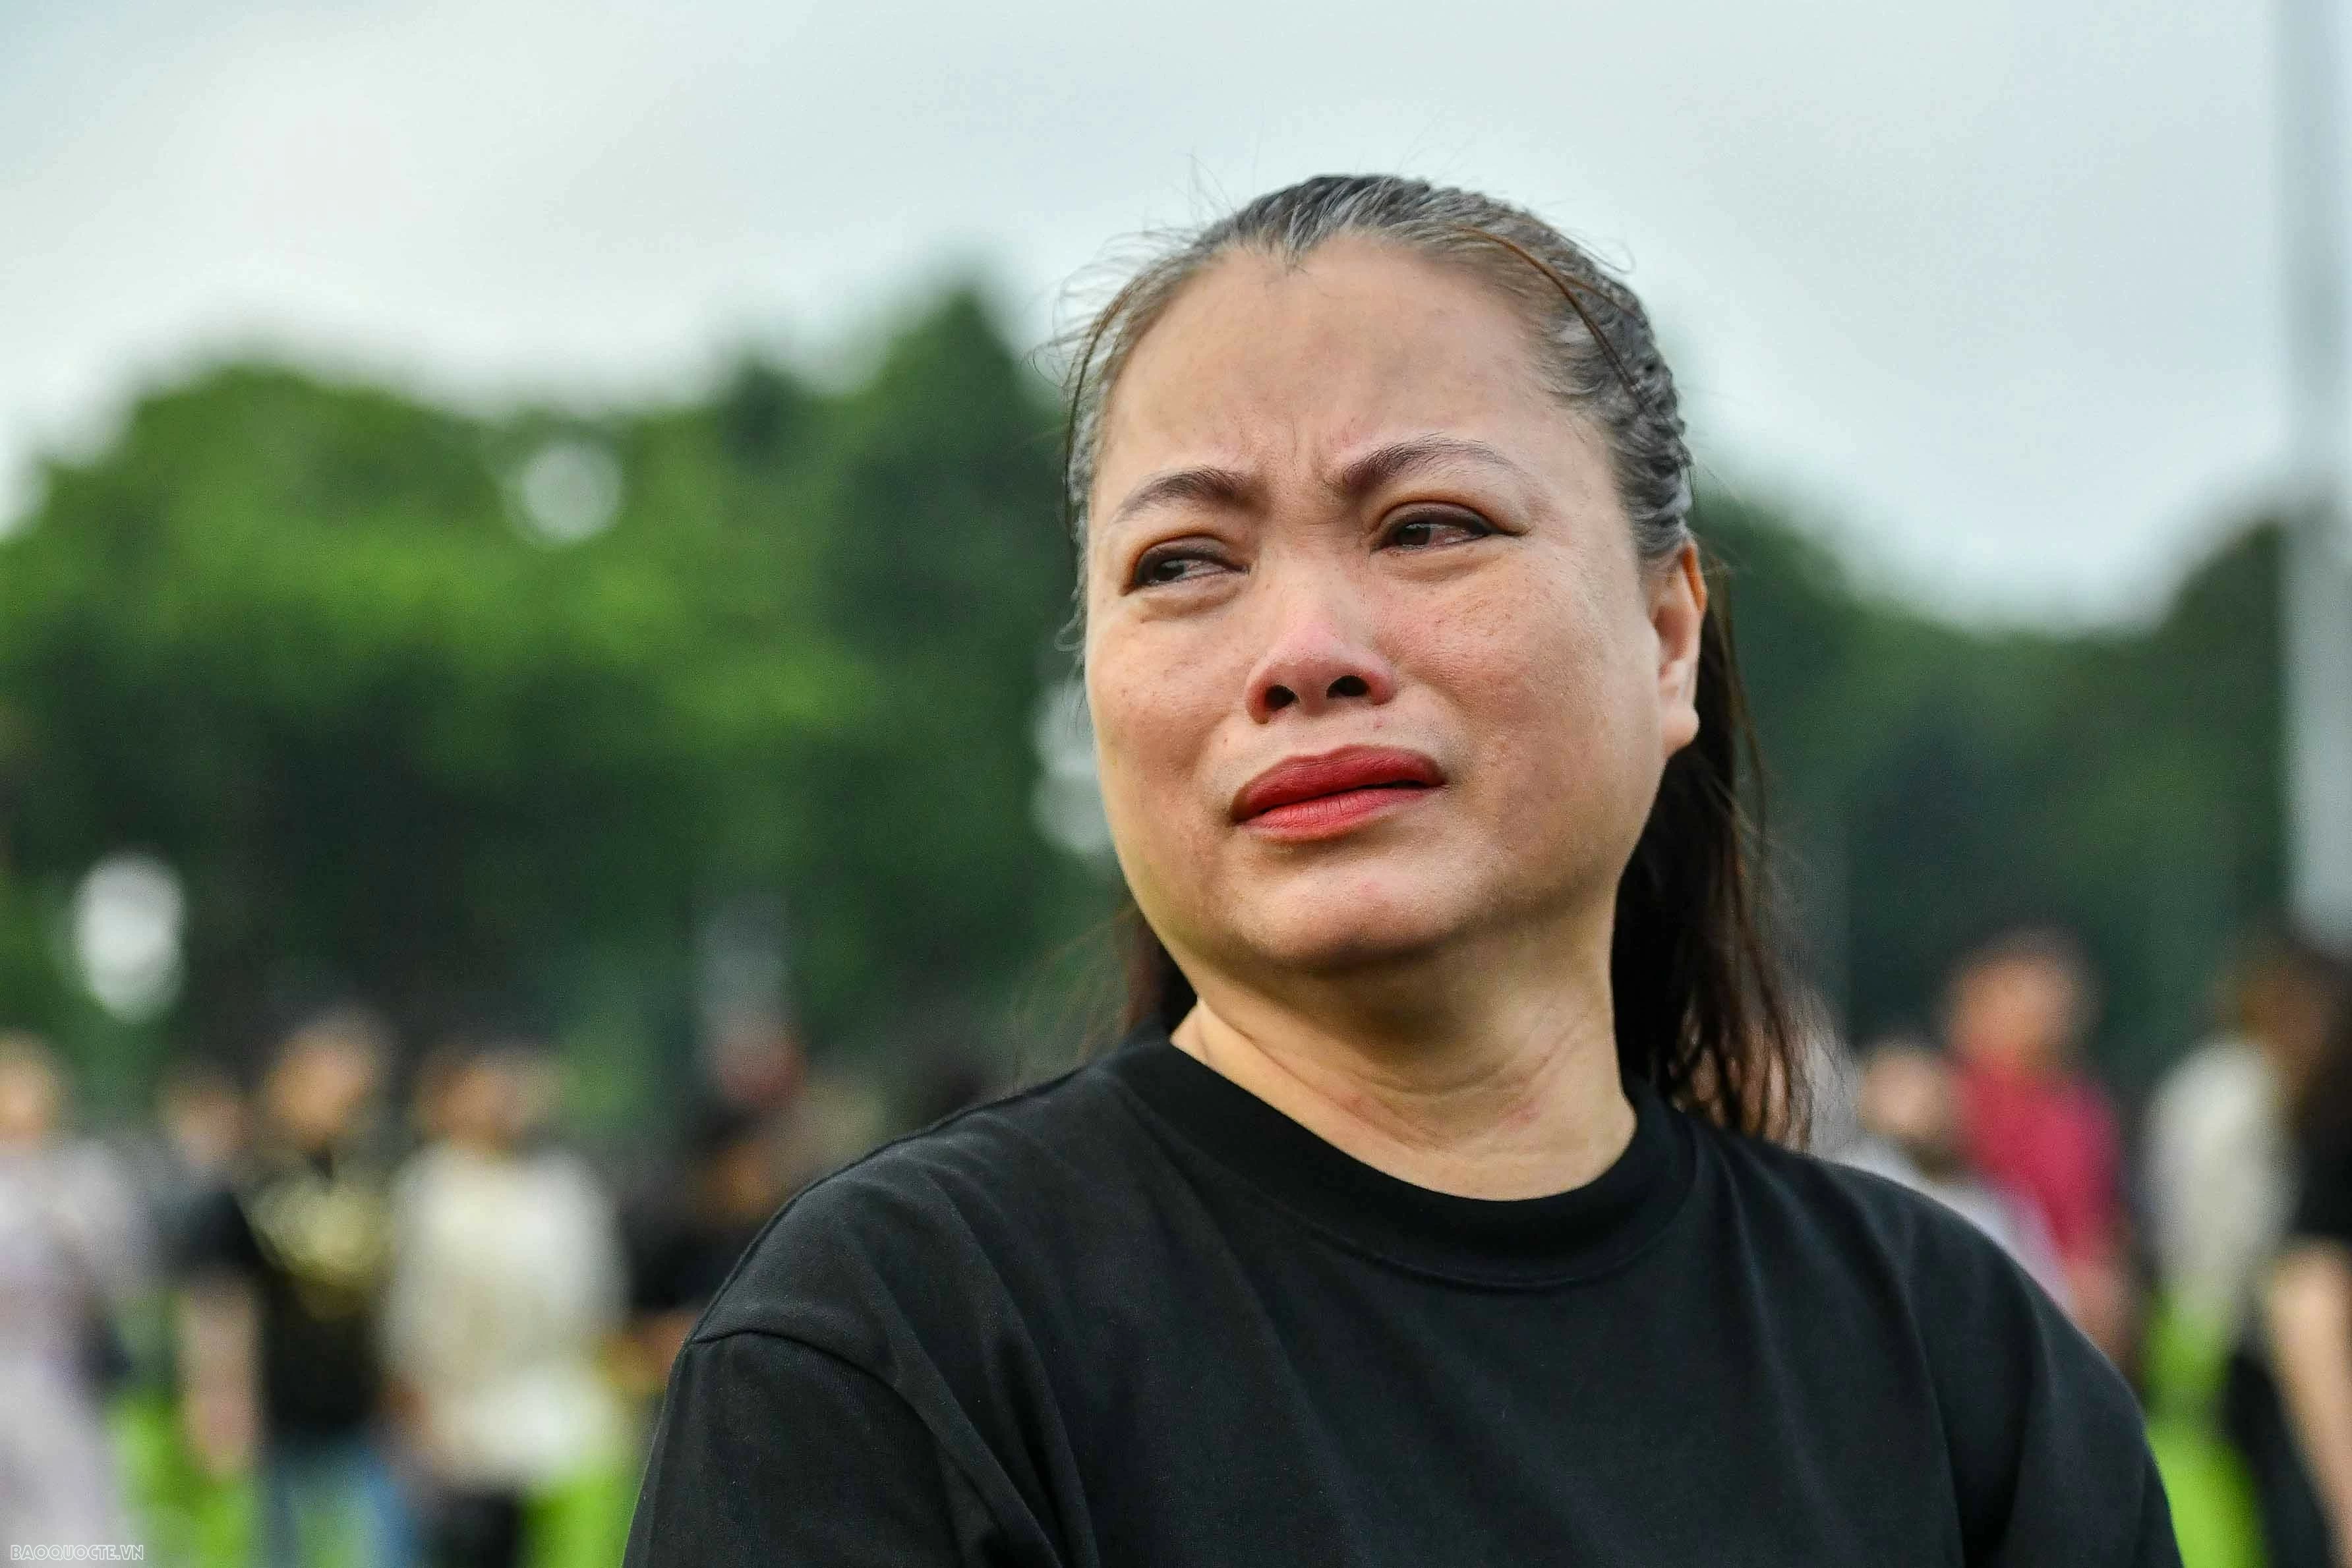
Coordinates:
(1678, 616)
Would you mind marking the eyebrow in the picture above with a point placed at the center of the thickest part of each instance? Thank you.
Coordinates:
(1413, 455)
(1229, 489)
(1205, 486)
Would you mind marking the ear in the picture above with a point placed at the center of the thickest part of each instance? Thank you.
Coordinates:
(1678, 617)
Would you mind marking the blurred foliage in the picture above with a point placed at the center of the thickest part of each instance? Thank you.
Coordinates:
(1930, 784)
(291, 637)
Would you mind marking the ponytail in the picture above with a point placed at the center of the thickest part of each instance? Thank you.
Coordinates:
(1701, 1013)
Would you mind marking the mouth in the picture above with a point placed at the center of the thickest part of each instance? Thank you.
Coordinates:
(1318, 797)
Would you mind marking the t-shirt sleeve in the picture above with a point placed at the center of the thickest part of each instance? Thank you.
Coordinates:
(2049, 1448)
(2323, 1204)
(772, 1450)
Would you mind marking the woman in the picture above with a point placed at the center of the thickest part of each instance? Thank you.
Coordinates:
(72, 1253)
(1427, 1216)
(506, 1291)
(2291, 1402)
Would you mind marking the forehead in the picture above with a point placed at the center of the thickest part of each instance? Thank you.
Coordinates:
(1257, 358)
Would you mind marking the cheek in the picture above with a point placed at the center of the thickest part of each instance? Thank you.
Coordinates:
(1155, 714)
(1550, 676)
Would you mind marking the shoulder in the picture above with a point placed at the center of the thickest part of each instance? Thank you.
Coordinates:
(1957, 1286)
(1972, 1301)
(1008, 1193)
(2038, 1425)
(565, 1177)
(1860, 1215)
(2224, 1090)
(2227, 1065)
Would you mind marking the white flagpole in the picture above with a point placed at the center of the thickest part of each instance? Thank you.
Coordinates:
(2317, 606)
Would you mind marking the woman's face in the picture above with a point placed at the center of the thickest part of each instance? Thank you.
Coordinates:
(1374, 667)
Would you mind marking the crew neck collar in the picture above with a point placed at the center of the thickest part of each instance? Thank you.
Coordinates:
(1554, 1240)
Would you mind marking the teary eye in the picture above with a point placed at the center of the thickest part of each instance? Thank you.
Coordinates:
(1176, 564)
(1428, 529)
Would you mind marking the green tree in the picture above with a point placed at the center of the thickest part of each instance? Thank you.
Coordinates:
(1942, 782)
(294, 638)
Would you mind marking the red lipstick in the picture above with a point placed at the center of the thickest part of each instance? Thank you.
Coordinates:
(1323, 796)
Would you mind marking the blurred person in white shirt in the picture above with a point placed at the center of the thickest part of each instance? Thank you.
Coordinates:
(507, 1283)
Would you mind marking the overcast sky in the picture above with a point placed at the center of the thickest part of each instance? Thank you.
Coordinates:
(1992, 288)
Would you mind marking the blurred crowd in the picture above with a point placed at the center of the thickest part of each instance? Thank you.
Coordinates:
(372, 1310)
(376, 1309)
(2204, 1246)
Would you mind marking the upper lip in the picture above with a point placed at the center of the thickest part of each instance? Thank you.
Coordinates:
(1329, 773)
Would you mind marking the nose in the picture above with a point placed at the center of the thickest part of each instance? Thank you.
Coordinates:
(1319, 657)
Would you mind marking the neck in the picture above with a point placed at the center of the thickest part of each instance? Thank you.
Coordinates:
(1493, 1091)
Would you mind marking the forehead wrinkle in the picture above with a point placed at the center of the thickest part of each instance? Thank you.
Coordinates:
(1417, 454)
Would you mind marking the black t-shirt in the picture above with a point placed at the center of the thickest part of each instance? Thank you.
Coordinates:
(313, 1236)
(2323, 1200)
(1138, 1317)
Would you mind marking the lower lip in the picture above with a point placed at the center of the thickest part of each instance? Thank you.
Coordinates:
(1328, 815)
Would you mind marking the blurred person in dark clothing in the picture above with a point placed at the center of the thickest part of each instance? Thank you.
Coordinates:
(506, 1283)
(201, 1122)
(2220, 1174)
(285, 1276)
(760, 1122)
(685, 1239)
(2016, 1013)
(71, 1248)
(1908, 1112)
(2308, 1315)
(2220, 1164)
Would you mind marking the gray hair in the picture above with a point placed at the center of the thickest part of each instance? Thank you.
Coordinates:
(1598, 351)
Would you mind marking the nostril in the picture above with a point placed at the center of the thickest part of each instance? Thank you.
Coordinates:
(1279, 697)
(1350, 686)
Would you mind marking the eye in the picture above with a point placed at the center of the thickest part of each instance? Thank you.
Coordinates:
(1168, 564)
(1429, 530)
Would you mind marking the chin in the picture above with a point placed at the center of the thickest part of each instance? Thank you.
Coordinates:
(1360, 926)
